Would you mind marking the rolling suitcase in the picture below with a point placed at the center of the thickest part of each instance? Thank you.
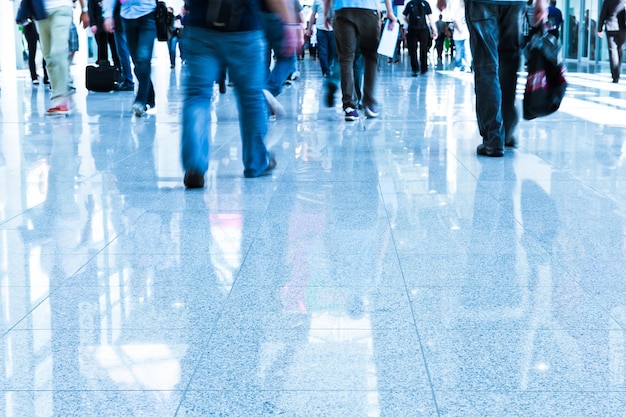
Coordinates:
(102, 77)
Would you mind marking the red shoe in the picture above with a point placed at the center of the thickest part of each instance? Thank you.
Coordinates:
(61, 109)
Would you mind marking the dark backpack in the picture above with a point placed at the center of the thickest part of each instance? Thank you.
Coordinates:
(417, 17)
(162, 21)
(225, 15)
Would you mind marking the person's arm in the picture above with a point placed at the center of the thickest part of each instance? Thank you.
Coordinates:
(108, 7)
(390, 16)
(84, 15)
(292, 24)
(312, 19)
(540, 12)
(328, 13)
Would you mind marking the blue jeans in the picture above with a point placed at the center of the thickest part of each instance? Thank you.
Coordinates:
(283, 64)
(140, 36)
(459, 53)
(208, 54)
(171, 46)
(124, 56)
(495, 39)
(326, 49)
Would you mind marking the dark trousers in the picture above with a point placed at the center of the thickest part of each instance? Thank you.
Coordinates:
(357, 28)
(615, 40)
(421, 36)
(32, 37)
(326, 49)
(106, 40)
(495, 43)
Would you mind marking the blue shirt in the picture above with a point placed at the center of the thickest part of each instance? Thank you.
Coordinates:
(131, 9)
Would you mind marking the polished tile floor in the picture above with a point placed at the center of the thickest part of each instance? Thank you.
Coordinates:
(383, 270)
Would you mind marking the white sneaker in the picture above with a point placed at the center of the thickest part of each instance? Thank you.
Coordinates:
(276, 108)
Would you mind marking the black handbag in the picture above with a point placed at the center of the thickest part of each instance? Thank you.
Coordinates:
(545, 84)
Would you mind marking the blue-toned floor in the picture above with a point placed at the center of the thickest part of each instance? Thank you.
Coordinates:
(383, 270)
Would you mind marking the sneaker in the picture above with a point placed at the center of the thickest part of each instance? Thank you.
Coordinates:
(350, 114)
(61, 107)
(193, 180)
(35, 81)
(139, 109)
(371, 111)
(125, 87)
(294, 75)
(276, 108)
(268, 171)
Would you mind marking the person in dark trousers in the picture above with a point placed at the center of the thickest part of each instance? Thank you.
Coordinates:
(614, 22)
(495, 37)
(421, 31)
(555, 19)
(32, 38)
(104, 39)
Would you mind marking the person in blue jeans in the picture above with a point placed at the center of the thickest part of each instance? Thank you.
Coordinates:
(139, 26)
(213, 45)
(127, 83)
(495, 36)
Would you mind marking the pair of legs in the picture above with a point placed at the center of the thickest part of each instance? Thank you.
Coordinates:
(32, 37)
(421, 37)
(54, 34)
(284, 64)
(171, 47)
(208, 54)
(495, 44)
(326, 49)
(140, 36)
(106, 40)
(357, 28)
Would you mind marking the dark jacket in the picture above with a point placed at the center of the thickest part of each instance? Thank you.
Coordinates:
(245, 15)
(31, 9)
(612, 16)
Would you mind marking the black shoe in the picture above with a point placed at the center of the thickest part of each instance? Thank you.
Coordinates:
(414, 74)
(487, 151)
(268, 170)
(125, 87)
(194, 180)
(331, 89)
(510, 142)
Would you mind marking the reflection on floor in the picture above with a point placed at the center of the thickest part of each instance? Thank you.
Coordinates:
(383, 270)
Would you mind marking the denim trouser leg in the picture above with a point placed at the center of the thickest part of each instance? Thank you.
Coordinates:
(284, 65)
(326, 49)
(460, 53)
(124, 56)
(495, 43)
(140, 35)
(54, 32)
(207, 54)
(357, 28)
(171, 47)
